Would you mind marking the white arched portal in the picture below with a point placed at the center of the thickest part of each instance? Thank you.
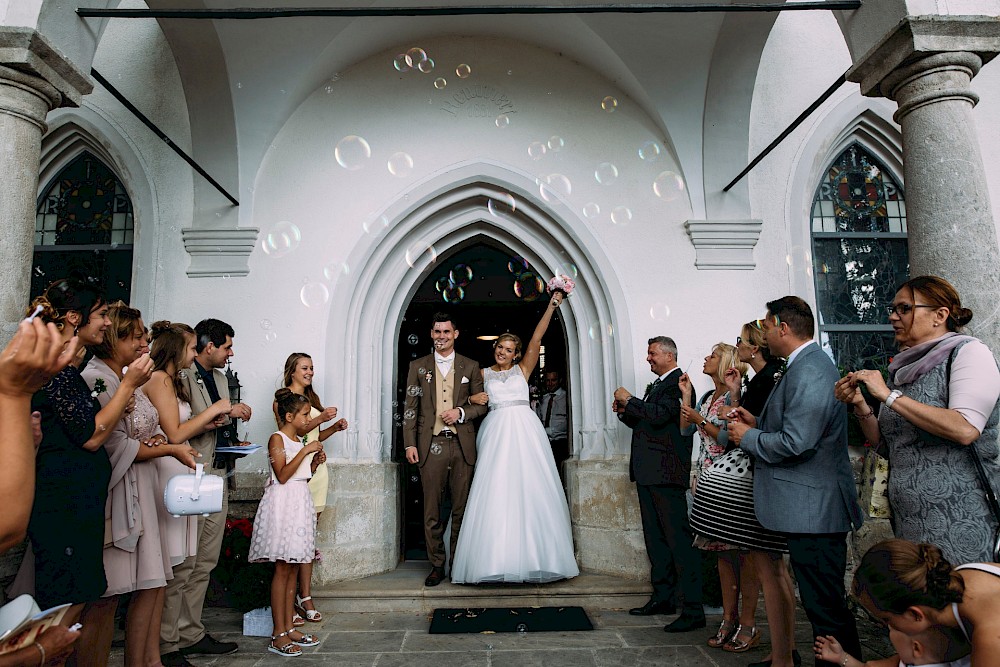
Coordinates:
(445, 211)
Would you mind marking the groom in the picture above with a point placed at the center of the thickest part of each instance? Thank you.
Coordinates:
(439, 436)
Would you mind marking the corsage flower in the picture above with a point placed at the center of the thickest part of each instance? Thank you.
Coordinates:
(99, 387)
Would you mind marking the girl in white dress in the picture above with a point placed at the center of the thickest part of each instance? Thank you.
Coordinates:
(284, 530)
(516, 526)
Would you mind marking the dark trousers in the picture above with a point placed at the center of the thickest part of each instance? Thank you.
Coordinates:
(675, 563)
(819, 563)
(445, 469)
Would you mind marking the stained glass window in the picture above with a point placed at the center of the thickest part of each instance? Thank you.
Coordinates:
(859, 257)
(84, 229)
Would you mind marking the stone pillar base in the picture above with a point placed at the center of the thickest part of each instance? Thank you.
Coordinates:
(604, 510)
(359, 531)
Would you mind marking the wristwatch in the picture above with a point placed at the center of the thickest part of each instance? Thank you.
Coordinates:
(703, 422)
(891, 398)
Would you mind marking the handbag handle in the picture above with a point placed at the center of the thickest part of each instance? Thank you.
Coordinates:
(199, 472)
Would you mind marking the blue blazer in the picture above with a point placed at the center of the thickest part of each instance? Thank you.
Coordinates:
(802, 480)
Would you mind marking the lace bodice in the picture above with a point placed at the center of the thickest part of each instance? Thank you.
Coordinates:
(144, 422)
(505, 386)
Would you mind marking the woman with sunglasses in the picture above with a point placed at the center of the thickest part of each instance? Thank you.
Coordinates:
(940, 411)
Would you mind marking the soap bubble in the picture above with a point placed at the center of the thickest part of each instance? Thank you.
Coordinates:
(609, 104)
(555, 187)
(352, 152)
(536, 150)
(501, 205)
(517, 265)
(668, 185)
(400, 165)
(659, 311)
(591, 210)
(435, 449)
(528, 286)
(415, 56)
(606, 173)
(314, 295)
(400, 63)
(461, 275)
(463, 71)
(281, 239)
(265, 324)
(413, 339)
(440, 83)
(426, 66)
(414, 390)
(410, 414)
(621, 215)
(270, 336)
(502, 121)
(418, 250)
(453, 294)
(335, 268)
(555, 143)
(375, 226)
(650, 151)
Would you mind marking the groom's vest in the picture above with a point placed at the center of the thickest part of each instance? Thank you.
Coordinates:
(444, 398)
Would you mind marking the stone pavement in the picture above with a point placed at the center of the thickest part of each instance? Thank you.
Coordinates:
(391, 638)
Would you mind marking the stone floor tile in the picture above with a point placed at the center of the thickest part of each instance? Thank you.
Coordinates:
(655, 636)
(341, 660)
(435, 659)
(543, 658)
(667, 656)
(358, 642)
(390, 620)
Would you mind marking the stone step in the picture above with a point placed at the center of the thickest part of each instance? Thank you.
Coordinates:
(403, 590)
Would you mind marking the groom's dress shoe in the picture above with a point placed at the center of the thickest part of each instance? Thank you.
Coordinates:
(686, 621)
(653, 607)
(796, 660)
(435, 577)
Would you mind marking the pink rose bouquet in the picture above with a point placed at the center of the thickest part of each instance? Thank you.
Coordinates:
(561, 283)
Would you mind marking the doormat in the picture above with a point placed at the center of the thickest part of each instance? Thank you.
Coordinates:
(510, 619)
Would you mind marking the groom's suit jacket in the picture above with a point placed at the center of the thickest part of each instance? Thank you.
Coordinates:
(802, 478)
(661, 454)
(417, 432)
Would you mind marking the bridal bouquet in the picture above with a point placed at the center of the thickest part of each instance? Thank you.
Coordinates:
(561, 283)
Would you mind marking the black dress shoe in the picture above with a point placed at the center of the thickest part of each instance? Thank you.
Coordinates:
(435, 577)
(174, 659)
(654, 607)
(796, 660)
(686, 621)
(208, 645)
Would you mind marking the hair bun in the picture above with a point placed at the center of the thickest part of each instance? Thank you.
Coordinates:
(158, 328)
(48, 313)
(284, 392)
(962, 316)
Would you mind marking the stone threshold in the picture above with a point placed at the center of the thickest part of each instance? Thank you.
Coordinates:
(403, 590)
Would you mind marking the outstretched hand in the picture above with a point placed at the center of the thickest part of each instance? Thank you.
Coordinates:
(829, 649)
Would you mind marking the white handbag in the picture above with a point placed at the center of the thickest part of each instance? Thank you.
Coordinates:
(194, 494)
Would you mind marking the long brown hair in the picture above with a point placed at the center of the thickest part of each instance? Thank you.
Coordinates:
(124, 323)
(898, 574)
(308, 391)
(169, 346)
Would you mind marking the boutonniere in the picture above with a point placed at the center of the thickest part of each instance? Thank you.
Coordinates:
(197, 378)
(429, 376)
(649, 388)
(781, 371)
(99, 388)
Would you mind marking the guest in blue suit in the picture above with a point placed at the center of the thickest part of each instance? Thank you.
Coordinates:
(803, 484)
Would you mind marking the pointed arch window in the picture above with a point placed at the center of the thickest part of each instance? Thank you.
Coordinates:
(84, 227)
(859, 257)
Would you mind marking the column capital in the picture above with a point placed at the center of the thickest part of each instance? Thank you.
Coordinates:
(26, 51)
(915, 39)
(724, 244)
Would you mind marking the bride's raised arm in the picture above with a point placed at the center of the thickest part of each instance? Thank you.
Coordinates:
(531, 351)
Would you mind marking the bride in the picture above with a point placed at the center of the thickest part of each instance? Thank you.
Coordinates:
(516, 526)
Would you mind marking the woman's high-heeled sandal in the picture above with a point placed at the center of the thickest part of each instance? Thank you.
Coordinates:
(288, 650)
(737, 644)
(726, 631)
(297, 621)
(311, 615)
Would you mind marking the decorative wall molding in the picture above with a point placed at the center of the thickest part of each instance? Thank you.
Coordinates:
(724, 244)
(219, 253)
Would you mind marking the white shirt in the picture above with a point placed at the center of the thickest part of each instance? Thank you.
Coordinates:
(444, 364)
(558, 419)
(795, 353)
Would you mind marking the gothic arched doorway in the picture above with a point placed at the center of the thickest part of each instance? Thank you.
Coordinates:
(488, 291)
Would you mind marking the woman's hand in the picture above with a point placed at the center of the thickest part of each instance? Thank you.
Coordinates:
(156, 441)
(874, 381)
(557, 298)
(32, 357)
(329, 413)
(58, 644)
(186, 454)
(482, 398)
(846, 390)
(222, 408)
(690, 414)
(340, 425)
(138, 373)
(733, 381)
(684, 384)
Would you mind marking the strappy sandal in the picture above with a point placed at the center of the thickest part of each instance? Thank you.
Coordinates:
(737, 644)
(305, 640)
(312, 615)
(726, 631)
(288, 650)
(297, 621)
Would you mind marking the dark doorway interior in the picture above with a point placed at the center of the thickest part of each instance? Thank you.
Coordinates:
(487, 291)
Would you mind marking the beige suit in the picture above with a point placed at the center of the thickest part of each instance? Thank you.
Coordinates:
(445, 462)
(185, 596)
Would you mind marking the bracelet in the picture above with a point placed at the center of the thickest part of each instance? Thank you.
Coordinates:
(703, 422)
(843, 661)
(870, 414)
(891, 398)
(41, 649)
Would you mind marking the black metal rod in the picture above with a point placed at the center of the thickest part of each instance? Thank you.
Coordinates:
(290, 12)
(788, 130)
(160, 133)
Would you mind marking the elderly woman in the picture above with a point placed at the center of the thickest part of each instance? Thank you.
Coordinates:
(135, 554)
(939, 404)
(914, 590)
(738, 632)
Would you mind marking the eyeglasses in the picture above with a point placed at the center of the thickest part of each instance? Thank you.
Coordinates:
(905, 308)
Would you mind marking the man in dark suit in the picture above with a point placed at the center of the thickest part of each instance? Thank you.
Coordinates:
(803, 485)
(439, 436)
(660, 466)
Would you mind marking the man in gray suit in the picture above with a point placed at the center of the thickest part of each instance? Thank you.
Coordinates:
(802, 480)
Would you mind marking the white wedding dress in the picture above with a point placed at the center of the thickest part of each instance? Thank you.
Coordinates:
(516, 526)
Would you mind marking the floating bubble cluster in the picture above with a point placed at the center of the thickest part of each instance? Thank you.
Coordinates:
(554, 188)
(517, 265)
(650, 151)
(668, 185)
(418, 250)
(621, 215)
(555, 143)
(528, 286)
(352, 152)
(400, 165)
(591, 210)
(314, 295)
(502, 121)
(606, 173)
(536, 150)
(463, 71)
(281, 239)
(501, 205)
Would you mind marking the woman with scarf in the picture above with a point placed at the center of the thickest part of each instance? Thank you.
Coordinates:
(940, 410)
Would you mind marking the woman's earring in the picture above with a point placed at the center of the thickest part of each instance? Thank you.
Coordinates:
(753, 355)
